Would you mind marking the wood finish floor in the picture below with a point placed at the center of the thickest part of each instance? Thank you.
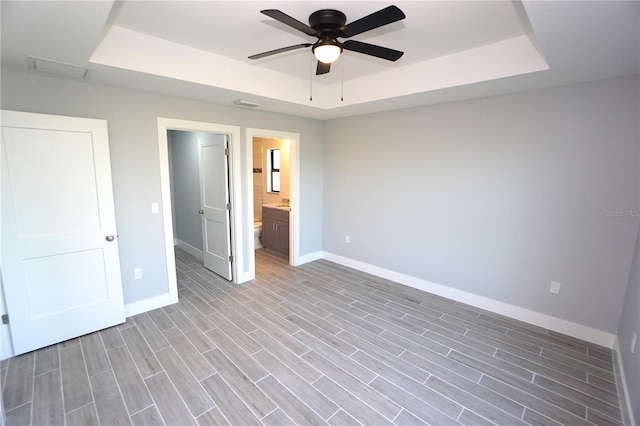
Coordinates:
(315, 344)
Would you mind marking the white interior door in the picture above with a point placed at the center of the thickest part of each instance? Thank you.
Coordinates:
(214, 198)
(60, 264)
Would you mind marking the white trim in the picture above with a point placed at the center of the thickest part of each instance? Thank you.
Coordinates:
(306, 258)
(542, 320)
(189, 249)
(165, 124)
(623, 382)
(146, 305)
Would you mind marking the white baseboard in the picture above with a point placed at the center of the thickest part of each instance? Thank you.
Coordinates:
(516, 312)
(623, 390)
(306, 258)
(146, 305)
(189, 248)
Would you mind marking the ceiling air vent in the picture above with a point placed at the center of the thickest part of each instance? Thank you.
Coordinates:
(57, 68)
(246, 103)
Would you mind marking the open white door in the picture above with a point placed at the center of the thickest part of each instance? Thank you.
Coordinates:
(60, 262)
(214, 198)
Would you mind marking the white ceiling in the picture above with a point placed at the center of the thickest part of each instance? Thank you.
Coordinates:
(453, 49)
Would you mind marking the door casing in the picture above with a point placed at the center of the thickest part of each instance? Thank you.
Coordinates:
(241, 171)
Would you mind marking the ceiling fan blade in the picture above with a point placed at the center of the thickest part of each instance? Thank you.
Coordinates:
(281, 50)
(373, 50)
(288, 20)
(322, 68)
(377, 19)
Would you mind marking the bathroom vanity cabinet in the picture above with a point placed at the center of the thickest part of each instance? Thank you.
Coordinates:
(275, 230)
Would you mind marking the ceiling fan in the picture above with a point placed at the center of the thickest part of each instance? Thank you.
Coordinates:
(328, 25)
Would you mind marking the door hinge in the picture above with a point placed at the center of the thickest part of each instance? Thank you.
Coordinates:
(226, 151)
(5, 318)
(228, 206)
(231, 258)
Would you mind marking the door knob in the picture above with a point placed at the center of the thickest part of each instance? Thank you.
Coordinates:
(109, 238)
(200, 211)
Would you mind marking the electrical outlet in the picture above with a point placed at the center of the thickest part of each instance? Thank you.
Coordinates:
(555, 287)
(137, 273)
(347, 239)
(634, 340)
(155, 208)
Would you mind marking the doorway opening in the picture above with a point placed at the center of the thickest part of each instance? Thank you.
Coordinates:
(273, 155)
(241, 193)
(198, 166)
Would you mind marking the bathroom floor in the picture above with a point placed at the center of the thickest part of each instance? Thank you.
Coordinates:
(315, 344)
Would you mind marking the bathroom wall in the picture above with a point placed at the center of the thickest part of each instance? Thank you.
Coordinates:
(258, 173)
(283, 145)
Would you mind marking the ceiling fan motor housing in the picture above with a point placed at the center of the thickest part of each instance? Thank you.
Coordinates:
(328, 21)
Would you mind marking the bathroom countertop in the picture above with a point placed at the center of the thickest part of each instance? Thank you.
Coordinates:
(278, 206)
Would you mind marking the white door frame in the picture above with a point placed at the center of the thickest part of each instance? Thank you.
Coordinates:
(294, 190)
(237, 239)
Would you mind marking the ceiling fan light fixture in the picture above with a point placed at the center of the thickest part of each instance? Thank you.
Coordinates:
(327, 52)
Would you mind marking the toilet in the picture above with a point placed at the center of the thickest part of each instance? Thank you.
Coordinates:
(257, 234)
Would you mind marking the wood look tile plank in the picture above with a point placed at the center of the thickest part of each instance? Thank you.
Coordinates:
(414, 405)
(95, 354)
(231, 406)
(185, 383)
(194, 360)
(335, 342)
(213, 417)
(480, 401)
(47, 399)
(75, 381)
(277, 418)
(19, 416)
(193, 333)
(327, 351)
(18, 389)
(168, 402)
(161, 319)
(556, 408)
(252, 369)
(307, 393)
(134, 391)
(111, 338)
(148, 417)
(152, 334)
(47, 359)
(289, 403)
(405, 418)
(83, 416)
(250, 394)
(365, 393)
(350, 403)
(141, 353)
(241, 338)
(400, 379)
(108, 400)
(294, 362)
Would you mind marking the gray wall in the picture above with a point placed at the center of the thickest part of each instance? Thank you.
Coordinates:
(133, 139)
(497, 196)
(185, 186)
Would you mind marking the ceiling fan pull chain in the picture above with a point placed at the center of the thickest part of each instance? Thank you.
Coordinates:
(342, 82)
(311, 79)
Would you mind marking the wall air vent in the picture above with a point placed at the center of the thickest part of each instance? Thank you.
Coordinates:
(246, 103)
(57, 68)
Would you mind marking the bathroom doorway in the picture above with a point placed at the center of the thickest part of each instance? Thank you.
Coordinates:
(262, 145)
